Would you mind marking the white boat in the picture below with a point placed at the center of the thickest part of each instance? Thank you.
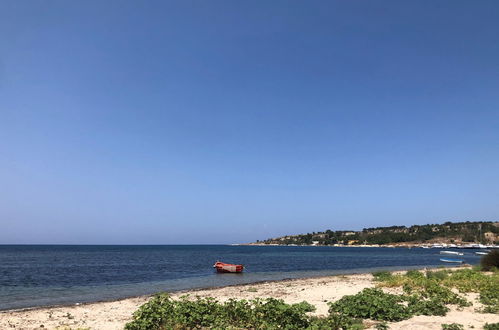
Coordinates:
(481, 253)
(469, 246)
(452, 252)
(457, 261)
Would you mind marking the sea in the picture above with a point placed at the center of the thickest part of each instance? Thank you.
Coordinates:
(47, 275)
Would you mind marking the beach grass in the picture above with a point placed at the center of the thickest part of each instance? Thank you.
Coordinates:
(443, 281)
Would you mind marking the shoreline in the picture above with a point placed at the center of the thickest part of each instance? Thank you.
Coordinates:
(111, 315)
(396, 245)
(393, 269)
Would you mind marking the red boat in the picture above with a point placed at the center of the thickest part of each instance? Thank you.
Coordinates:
(227, 268)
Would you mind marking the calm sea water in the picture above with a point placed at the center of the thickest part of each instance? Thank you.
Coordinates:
(49, 275)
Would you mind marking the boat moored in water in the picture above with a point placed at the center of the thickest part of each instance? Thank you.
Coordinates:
(452, 252)
(222, 267)
(456, 261)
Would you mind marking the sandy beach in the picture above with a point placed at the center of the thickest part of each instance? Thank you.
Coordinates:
(317, 291)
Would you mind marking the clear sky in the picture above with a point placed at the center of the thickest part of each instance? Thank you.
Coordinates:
(168, 122)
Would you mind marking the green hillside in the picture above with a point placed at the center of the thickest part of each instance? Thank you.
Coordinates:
(449, 232)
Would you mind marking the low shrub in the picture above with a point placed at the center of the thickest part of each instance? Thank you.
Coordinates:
(433, 290)
(424, 294)
(162, 312)
(382, 276)
(489, 296)
(414, 274)
(396, 281)
(419, 306)
(382, 326)
(491, 326)
(490, 261)
(336, 321)
(437, 275)
(372, 304)
(452, 326)
(466, 280)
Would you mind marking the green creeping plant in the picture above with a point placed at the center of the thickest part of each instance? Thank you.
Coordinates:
(382, 276)
(382, 326)
(424, 294)
(163, 312)
(372, 304)
(452, 326)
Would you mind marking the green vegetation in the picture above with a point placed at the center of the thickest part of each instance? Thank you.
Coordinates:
(372, 304)
(491, 326)
(336, 321)
(162, 312)
(382, 326)
(490, 261)
(427, 293)
(452, 326)
(421, 297)
(477, 232)
(435, 286)
(382, 276)
(437, 275)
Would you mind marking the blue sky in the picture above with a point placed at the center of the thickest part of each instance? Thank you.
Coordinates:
(167, 122)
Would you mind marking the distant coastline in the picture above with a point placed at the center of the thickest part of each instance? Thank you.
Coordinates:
(401, 245)
(464, 235)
